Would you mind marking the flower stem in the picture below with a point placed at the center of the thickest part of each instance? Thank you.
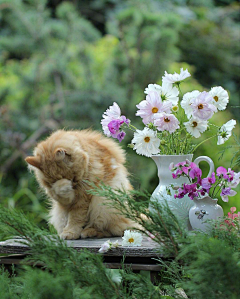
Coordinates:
(204, 141)
(217, 184)
(178, 86)
(130, 127)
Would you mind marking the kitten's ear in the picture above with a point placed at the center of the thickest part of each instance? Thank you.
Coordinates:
(60, 154)
(34, 161)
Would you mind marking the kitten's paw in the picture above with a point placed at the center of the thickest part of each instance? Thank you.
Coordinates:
(92, 232)
(69, 235)
(89, 233)
(64, 189)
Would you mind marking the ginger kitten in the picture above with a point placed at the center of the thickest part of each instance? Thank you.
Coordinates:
(61, 164)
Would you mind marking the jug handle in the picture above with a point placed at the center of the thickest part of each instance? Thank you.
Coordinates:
(206, 159)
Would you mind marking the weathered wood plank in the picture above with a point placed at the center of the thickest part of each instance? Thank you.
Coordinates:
(149, 248)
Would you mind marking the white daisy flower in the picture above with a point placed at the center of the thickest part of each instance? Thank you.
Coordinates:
(152, 87)
(186, 102)
(175, 78)
(146, 142)
(169, 93)
(196, 126)
(226, 131)
(220, 97)
(131, 238)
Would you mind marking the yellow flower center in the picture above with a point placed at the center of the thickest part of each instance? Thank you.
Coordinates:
(147, 139)
(216, 98)
(175, 108)
(131, 240)
(167, 120)
(200, 106)
(194, 124)
(154, 110)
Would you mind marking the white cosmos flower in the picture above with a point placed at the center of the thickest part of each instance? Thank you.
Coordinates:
(152, 87)
(186, 102)
(169, 93)
(196, 126)
(226, 131)
(175, 78)
(202, 106)
(220, 97)
(131, 238)
(146, 142)
(114, 112)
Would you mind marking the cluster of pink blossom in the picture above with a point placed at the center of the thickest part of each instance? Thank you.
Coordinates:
(223, 180)
(232, 217)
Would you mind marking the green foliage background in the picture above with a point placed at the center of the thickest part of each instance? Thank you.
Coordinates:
(62, 63)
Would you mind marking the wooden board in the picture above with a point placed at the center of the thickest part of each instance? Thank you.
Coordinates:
(148, 249)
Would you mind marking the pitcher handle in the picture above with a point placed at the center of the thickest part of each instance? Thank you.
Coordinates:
(206, 159)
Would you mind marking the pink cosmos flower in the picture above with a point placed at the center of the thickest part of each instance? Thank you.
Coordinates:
(168, 122)
(202, 106)
(152, 105)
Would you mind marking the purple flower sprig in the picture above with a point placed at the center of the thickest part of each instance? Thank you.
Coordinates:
(115, 127)
(114, 122)
(222, 181)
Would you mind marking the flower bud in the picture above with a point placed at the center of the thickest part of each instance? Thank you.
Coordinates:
(175, 108)
(163, 142)
(151, 126)
(130, 145)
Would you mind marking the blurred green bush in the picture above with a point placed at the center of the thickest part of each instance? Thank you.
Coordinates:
(62, 64)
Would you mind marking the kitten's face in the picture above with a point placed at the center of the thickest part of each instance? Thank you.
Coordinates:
(51, 165)
(54, 159)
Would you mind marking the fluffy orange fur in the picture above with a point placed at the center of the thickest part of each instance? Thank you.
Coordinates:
(62, 165)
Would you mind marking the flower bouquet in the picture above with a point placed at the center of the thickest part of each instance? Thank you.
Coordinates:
(220, 182)
(204, 190)
(171, 120)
